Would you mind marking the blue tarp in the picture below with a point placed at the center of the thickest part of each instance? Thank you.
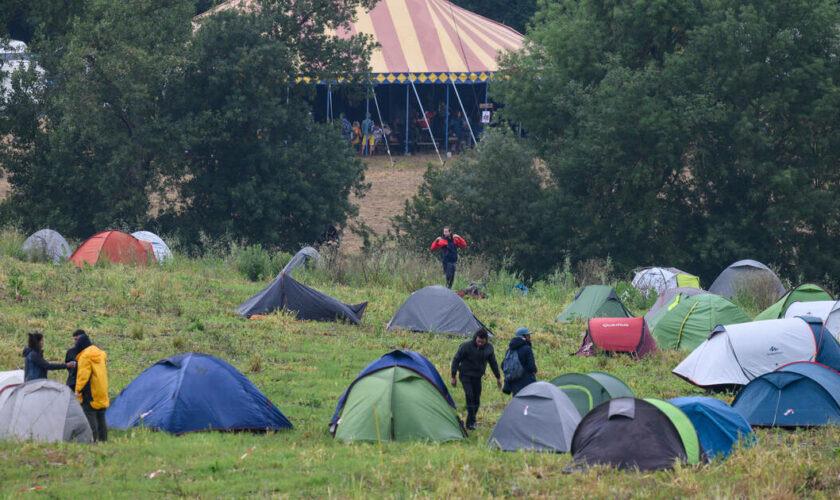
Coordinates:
(717, 424)
(798, 394)
(194, 392)
(406, 359)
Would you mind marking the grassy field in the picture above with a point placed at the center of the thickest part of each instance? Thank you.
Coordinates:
(139, 316)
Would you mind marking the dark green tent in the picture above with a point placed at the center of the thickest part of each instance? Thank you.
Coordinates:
(805, 292)
(588, 390)
(594, 301)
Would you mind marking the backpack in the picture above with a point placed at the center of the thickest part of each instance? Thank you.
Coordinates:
(512, 366)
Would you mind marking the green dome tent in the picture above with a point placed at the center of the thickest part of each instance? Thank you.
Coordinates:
(805, 292)
(690, 321)
(594, 301)
(588, 390)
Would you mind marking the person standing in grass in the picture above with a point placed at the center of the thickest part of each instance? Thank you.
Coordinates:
(92, 385)
(448, 244)
(521, 354)
(471, 361)
(70, 358)
(35, 366)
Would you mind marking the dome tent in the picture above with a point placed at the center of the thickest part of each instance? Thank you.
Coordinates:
(594, 301)
(540, 417)
(658, 279)
(588, 390)
(668, 300)
(719, 427)
(687, 323)
(436, 309)
(159, 247)
(8, 381)
(618, 335)
(399, 397)
(46, 244)
(44, 410)
(747, 276)
(804, 292)
(735, 354)
(194, 392)
(111, 246)
(801, 394)
(630, 433)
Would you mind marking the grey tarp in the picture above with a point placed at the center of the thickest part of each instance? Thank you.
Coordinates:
(747, 276)
(436, 309)
(539, 418)
(43, 410)
(159, 247)
(47, 244)
(8, 381)
(287, 293)
(305, 258)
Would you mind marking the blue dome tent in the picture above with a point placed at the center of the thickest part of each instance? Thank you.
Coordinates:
(718, 426)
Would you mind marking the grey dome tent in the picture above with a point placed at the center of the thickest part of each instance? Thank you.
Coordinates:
(46, 244)
(43, 410)
(540, 417)
(159, 247)
(747, 276)
(436, 309)
(305, 258)
(307, 303)
(8, 381)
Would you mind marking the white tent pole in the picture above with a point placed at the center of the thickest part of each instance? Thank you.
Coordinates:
(464, 111)
(426, 118)
(382, 125)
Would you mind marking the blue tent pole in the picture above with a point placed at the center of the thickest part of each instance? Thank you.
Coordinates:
(446, 127)
(406, 119)
(365, 150)
(329, 96)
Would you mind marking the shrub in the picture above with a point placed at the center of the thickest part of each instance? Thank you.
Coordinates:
(254, 263)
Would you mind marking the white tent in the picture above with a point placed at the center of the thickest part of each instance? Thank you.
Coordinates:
(8, 381)
(832, 321)
(47, 244)
(43, 410)
(658, 279)
(826, 310)
(159, 247)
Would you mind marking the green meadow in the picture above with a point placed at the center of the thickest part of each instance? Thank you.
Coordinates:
(141, 315)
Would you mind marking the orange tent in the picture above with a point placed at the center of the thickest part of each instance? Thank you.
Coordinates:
(113, 246)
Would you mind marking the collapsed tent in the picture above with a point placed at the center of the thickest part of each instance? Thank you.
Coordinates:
(735, 354)
(667, 300)
(540, 417)
(805, 292)
(658, 279)
(629, 433)
(588, 390)
(159, 247)
(594, 301)
(801, 394)
(44, 410)
(8, 381)
(285, 293)
(747, 277)
(618, 335)
(306, 258)
(111, 246)
(436, 309)
(719, 427)
(399, 397)
(686, 323)
(194, 392)
(46, 244)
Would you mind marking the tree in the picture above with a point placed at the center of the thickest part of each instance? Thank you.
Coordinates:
(257, 167)
(514, 13)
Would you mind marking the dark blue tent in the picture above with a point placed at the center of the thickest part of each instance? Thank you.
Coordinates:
(718, 426)
(828, 350)
(798, 394)
(194, 392)
(406, 359)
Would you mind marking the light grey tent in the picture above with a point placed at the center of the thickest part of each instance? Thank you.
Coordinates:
(8, 381)
(540, 417)
(667, 298)
(43, 410)
(159, 247)
(747, 276)
(436, 309)
(47, 244)
(305, 258)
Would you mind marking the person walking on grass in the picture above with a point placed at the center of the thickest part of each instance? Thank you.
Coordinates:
(518, 365)
(92, 385)
(35, 366)
(448, 244)
(471, 361)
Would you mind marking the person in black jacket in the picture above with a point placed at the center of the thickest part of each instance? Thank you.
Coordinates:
(471, 361)
(521, 344)
(70, 357)
(35, 366)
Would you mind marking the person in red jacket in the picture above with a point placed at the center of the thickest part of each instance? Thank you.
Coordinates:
(448, 244)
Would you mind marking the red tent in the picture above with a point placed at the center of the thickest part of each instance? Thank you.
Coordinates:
(618, 335)
(113, 246)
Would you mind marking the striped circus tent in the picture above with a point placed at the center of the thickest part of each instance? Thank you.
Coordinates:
(426, 41)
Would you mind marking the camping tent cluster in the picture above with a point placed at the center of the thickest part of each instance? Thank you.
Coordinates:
(138, 248)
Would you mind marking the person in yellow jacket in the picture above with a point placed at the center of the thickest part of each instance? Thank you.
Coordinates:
(92, 385)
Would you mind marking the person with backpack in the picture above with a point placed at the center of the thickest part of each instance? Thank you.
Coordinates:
(518, 365)
(471, 361)
(448, 244)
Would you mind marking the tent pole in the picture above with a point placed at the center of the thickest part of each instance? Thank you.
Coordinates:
(446, 125)
(382, 124)
(287, 95)
(329, 102)
(365, 149)
(426, 118)
(464, 111)
(406, 119)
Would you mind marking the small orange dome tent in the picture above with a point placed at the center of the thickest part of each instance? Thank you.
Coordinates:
(113, 246)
